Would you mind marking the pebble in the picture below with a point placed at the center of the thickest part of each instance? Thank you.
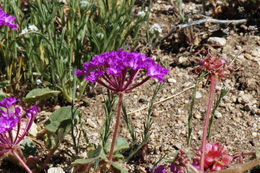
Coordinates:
(177, 145)
(198, 95)
(254, 134)
(218, 114)
(217, 40)
(155, 114)
(198, 116)
(172, 80)
(91, 123)
(33, 130)
(55, 170)
(182, 60)
(56, 107)
(256, 52)
(247, 99)
(142, 100)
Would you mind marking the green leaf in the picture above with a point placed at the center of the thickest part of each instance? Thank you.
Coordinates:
(40, 94)
(61, 118)
(4, 83)
(2, 94)
(53, 127)
(118, 156)
(257, 153)
(93, 156)
(84, 161)
(121, 144)
(98, 152)
(117, 166)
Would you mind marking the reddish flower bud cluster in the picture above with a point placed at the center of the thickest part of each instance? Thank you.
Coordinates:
(214, 66)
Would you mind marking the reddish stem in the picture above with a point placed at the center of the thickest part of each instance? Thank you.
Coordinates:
(119, 105)
(21, 161)
(213, 83)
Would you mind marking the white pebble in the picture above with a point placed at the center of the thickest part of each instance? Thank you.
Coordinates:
(55, 170)
(172, 80)
(198, 95)
(218, 114)
(254, 134)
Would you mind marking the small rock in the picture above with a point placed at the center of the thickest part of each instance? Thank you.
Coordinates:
(198, 95)
(55, 170)
(256, 52)
(33, 130)
(200, 132)
(141, 100)
(254, 134)
(155, 114)
(198, 116)
(218, 114)
(246, 99)
(91, 123)
(248, 56)
(182, 60)
(177, 146)
(172, 80)
(56, 107)
(217, 40)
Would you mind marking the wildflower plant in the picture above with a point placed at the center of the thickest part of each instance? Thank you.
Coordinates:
(12, 127)
(118, 72)
(216, 68)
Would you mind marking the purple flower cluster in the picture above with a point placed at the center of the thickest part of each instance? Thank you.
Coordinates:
(117, 70)
(163, 169)
(7, 20)
(179, 164)
(12, 128)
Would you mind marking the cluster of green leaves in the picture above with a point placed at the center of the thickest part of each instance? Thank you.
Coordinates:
(69, 32)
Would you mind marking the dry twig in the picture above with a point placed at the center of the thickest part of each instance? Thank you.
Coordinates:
(198, 22)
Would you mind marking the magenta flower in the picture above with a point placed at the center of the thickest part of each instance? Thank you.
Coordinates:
(160, 169)
(215, 157)
(117, 70)
(14, 127)
(7, 20)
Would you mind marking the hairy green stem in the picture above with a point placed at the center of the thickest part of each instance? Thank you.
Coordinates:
(119, 105)
(213, 83)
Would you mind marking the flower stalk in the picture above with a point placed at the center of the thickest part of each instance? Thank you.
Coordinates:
(21, 161)
(119, 105)
(213, 83)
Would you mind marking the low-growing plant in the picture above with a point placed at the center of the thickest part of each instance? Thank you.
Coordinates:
(55, 37)
(118, 71)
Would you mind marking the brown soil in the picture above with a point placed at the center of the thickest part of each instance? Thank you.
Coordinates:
(237, 124)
